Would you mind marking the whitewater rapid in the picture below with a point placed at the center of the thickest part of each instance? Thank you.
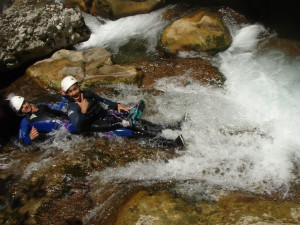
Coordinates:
(242, 136)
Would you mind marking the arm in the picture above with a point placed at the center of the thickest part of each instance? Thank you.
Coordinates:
(78, 119)
(103, 100)
(59, 106)
(57, 113)
(25, 128)
(114, 105)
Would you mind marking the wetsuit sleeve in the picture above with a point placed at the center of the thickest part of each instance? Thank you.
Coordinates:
(56, 113)
(59, 106)
(78, 119)
(104, 100)
(25, 128)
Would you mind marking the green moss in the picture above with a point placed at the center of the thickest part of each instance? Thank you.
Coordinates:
(219, 41)
(198, 48)
(134, 50)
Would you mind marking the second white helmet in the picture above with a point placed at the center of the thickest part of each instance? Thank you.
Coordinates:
(67, 82)
(16, 103)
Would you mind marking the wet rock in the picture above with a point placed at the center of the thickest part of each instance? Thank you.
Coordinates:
(289, 47)
(91, 67)
(32, 29)
(201, 31)
(162, 207)
(198, 69)
(115, 9)
(53, 186)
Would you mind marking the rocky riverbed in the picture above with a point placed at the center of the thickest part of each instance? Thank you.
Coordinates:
(93, 179)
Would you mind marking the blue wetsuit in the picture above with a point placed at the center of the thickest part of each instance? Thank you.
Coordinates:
(48, 118)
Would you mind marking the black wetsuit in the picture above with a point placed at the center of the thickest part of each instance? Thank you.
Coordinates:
(98, 119)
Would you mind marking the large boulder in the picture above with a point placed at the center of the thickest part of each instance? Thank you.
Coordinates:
(32, 29)
(115, 9)
(91, 67)
(201, 31)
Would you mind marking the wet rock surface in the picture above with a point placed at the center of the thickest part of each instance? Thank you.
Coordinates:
(163, 207)
(57, 186)
(56, 182)
(51, 186)
(198, 69)
(115, 9)
(91, 67)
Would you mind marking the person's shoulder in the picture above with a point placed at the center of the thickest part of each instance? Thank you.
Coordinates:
(88, 92)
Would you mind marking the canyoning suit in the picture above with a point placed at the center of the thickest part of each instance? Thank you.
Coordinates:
(96, 119)
(102, 116)
(48, 118)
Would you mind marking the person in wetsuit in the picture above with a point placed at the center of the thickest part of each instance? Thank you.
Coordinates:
(9, 122)
(39, 119)
(86, 110)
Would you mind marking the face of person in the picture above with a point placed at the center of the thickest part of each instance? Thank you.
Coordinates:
(74, 92)
(26, 107)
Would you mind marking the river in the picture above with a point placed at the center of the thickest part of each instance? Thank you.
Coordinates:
(242, 136)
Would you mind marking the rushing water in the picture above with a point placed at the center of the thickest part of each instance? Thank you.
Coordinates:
(245, 135)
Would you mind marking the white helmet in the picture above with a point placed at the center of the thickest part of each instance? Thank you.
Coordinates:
(16, 103)
(67, 82)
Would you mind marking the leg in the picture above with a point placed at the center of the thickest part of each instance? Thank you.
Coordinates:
(105, 125)
(160, 142)
(147, 127)
(152, 127)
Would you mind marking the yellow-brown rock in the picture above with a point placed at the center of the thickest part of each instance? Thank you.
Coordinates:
(200, 31)
(121, 8)
(81, 4)
(235, 208)
(91, 67)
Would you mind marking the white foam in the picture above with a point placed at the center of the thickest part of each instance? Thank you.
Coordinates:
(113, 34)
(243, 136)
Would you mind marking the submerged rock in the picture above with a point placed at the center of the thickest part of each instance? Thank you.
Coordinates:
(198, 69)
(32, 29)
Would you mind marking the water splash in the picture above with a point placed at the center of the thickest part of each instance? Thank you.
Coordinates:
(243, 136)
(113, 34)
